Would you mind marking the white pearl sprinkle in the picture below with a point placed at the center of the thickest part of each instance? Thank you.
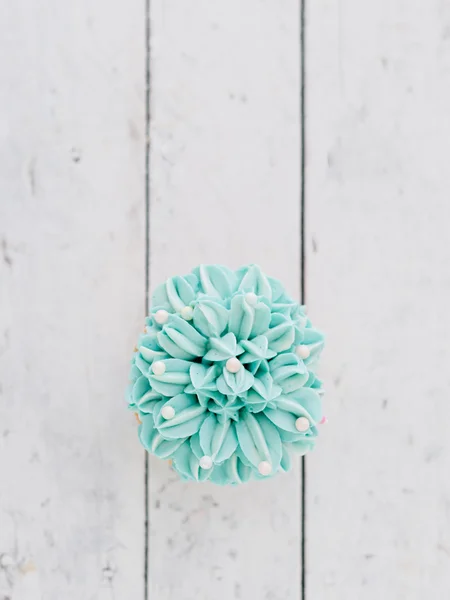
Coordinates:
(233, 365)
(265, 468)
(168, 412)
(158, 367)
(251, 298)
(161, 316)
(187, 313)
(302, 424)
(206, 462)
(302, 351)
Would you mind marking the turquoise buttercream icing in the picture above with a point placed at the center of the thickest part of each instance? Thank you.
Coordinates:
(223, 378)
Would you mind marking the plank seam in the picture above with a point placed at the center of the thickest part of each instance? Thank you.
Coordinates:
(303, 276)
(147, 271)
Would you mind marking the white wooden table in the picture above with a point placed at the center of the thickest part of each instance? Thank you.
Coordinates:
(139, 140)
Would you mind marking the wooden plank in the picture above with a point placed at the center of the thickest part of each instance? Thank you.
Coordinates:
(71, 298)
(378, 281)
(225, 188)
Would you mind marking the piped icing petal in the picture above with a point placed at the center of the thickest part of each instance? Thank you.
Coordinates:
(144, 397)
(216, 281)
(259, 440)
(235, 384)
(175, 294)
(188, 415)
(281, 333)
(223, 348)
(222, 377)
(231, 472)
(210, 317)
(218, 438)
(248, 320)
(203, 382)
(264, 391)
(256, 349)
(255, 281)
(153, 441)
(181, 340)
(288, 371)
(187, 465)
(148, 346)
(314, 340)
(174, 378)
(226, 407)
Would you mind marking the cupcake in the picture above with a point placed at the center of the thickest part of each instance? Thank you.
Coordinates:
(222, 379)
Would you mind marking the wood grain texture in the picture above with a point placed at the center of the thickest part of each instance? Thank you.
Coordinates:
(71, 299)
(377, 179)
(225, 187)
